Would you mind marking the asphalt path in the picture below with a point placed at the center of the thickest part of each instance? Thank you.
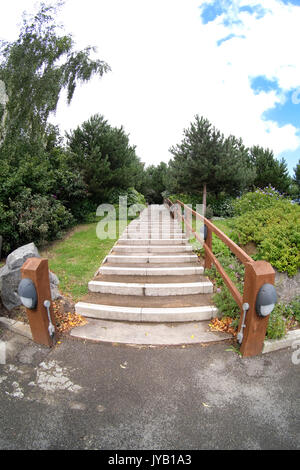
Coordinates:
(102, 396)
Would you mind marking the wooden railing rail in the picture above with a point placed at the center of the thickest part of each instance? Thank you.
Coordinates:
(257, 273)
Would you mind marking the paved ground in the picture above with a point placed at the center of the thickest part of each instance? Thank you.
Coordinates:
(100, 396)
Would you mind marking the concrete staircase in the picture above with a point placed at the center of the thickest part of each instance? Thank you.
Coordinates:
(150, 289)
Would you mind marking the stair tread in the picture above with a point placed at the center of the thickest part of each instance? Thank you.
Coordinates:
(194, 264)
(151, 279)
(149, 302)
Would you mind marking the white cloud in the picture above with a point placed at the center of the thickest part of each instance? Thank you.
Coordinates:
(167, 67)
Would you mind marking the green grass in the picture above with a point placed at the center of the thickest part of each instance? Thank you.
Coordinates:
(76, 259)
(222, 224)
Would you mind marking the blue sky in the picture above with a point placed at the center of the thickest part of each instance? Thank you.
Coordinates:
(282, 110)
(235, 62)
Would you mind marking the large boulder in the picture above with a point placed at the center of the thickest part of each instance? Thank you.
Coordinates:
(10, 276)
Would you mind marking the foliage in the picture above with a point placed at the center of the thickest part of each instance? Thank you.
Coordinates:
(155, 181)
(275, 229)
(235, 270)
(269, 170)
(206, 158)
(259, 199)
(104, 157)
(36, 68)
(38, 187)
(132, 195)
(221, 206)
(276, 326)
(297, 176)
(33, 217)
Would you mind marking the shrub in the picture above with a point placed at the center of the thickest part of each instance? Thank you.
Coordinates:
(276, 326)
(259, 199)
(276, 232)
(133, 196)
(33, 218)
(218, 207)
(222, 207)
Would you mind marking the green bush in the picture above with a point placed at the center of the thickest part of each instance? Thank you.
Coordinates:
(259, 199)
(236, 271)
(295, 308)
(222, 207)
(276, 232)
(276, 326)
(32, 218)
(216, 207)
(133, 196)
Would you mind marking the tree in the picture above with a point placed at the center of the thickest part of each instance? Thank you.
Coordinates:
(207, 161)
(269, 170)
(35, 69)
(104, 156)
(155, 182)
(34, 170)
(297, 176)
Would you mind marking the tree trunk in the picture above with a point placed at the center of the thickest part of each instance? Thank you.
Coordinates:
(204, 199)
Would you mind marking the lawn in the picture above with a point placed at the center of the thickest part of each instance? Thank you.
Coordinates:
(76, 259)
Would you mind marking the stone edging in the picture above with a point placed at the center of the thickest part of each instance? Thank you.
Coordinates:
(16, 327)
(271, 345)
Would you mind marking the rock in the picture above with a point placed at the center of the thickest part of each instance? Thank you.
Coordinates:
(10, 276)
(54, 281)
(287, 287)
(17, 258)
(9, 282)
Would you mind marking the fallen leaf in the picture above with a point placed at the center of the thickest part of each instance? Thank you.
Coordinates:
(206, 405)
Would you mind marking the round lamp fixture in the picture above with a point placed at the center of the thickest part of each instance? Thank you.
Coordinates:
(28, 294)
(266, 300)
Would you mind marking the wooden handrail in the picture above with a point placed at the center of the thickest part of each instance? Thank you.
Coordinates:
(234, 291)
(257, 273)
(236, 250)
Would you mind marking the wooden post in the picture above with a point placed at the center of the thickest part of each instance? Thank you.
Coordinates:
(257, 274)
(208, 242)
(37, 270)
(204, 199)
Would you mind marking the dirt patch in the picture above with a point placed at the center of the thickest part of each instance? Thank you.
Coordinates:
(250, 248)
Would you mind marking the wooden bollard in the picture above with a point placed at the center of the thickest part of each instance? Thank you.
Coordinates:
(257, 274)
(36, 269)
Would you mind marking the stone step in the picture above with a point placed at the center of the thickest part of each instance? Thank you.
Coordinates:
(147, 289)
(152, 241)
(151, 259)
(138, 333)
(171, 301)
(152, 249)
(136, 314)
(155, 236)
(145, 271)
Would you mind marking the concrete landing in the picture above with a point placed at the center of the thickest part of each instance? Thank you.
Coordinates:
(148, 333)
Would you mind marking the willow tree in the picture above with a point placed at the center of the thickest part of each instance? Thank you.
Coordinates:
(35, 69)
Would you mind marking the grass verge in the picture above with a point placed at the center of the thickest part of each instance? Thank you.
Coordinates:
(76, 259)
